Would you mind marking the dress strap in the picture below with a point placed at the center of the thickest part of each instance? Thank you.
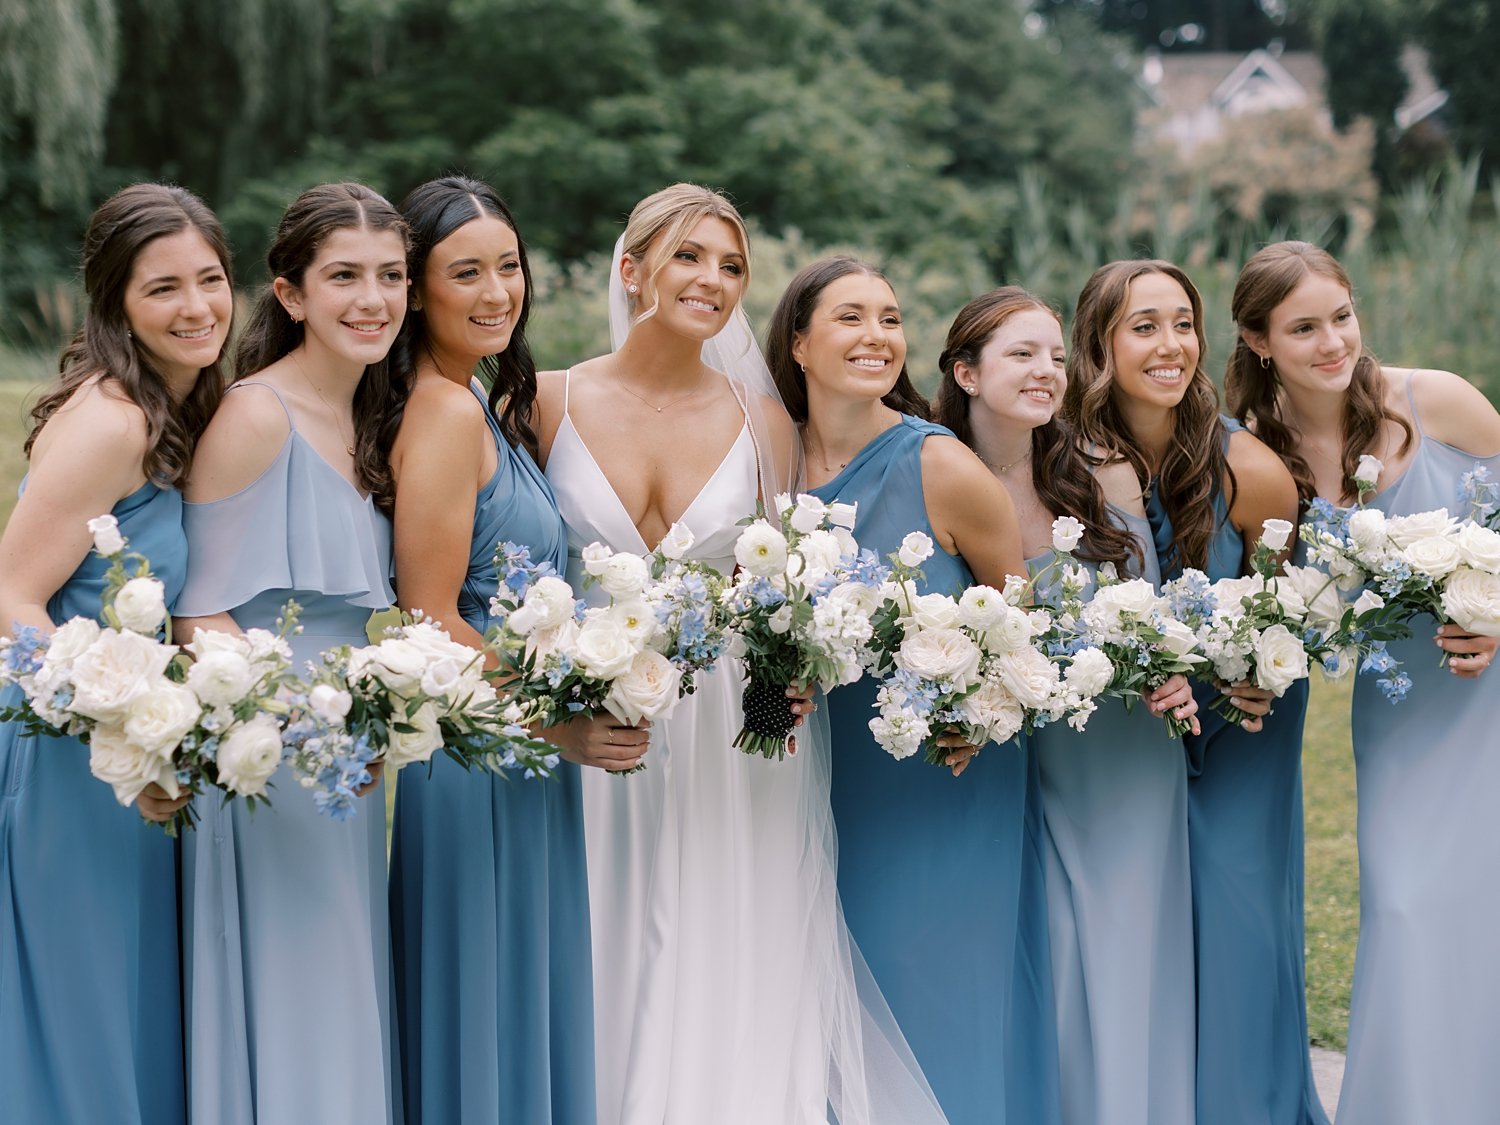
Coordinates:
(290, 421)
(1411, 401)
(567, 386)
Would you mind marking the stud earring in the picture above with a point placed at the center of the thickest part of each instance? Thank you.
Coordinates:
(632, 288)
(971, 390)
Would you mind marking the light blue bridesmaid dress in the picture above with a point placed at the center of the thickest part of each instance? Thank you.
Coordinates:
(1245, 846)
(941, 876)
(287, 969)
(90, 1012)
(489, 892)
(1120, 912)
(1425, 1010)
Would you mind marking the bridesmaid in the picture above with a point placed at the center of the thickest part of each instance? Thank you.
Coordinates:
(1114, 796)
(949, 909)
(288, 970)
(489, 897)
(1422, 1018)
(90, 1023)
(1137, 385)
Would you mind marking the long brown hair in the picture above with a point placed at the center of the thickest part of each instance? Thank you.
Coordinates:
(1253, 386)
(793, 315)
(380, 398)
(119, 230)
(1194, 466)
(1060, 472)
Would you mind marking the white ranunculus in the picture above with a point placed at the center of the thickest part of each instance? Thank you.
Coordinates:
(249, 755)
(1472, 599)
(916, 548)
(981, 608)
(1280, 659)
(821, 553)
(548, 603)
(115, 671)
(1367, 601)
(808, 513)
(1067, 532)
(780, 620)
(995, 709)
(1479, 546)
(71, 639)
(934, 611)
(625, 575)
(1013, 630)
(1367, 531)
(221, 678)
(842, 515)
(761, 549)
(1090, 672)
(1406, 530)
(857, 596)
(677, 542)
(106, 532)
(417, 744)
(330, 704)
(1368, 470)
(141, 606)
(161, 718)
(126, 767)
(1435, 556)
(398, 664)
(648, 689)
(594, 556)
(940, 654)
(1029, 675)
(1316, 592)
(1275, 534)
(603, 648)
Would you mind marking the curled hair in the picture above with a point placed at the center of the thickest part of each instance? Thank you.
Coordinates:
(659, 223)
(1253, 387)
(792, 317)
(124, 225)
(381, 396)
(1060, 471)
(1195, 465)
(434, 211)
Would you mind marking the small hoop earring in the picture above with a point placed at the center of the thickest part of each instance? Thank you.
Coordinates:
(1265, 363)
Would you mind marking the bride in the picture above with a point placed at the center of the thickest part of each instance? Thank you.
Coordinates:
(725, 987)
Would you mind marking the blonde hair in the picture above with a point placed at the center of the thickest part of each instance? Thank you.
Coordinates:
(659, 224)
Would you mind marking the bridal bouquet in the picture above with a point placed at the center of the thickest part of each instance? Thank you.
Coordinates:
(147, 712)
(400, 701)
(801, 604)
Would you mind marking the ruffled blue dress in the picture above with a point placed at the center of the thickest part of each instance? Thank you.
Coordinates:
(90, 1014)
(287, 968)
(1120, 912)
(1245, 844)
(489, 892)
(1423, 1015)
(941, 877)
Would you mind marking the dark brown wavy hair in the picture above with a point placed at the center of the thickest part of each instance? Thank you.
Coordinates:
(1253, 387)
(381, 396)
(433, 211)
(793, 315)
(1061, 472)
(1194, 466)
(119, 230)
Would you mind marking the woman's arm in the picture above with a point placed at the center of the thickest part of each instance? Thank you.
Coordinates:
(1264, 490)
(970, 511)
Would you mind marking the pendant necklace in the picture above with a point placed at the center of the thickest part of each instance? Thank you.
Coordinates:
(671, 402)
(349, 447)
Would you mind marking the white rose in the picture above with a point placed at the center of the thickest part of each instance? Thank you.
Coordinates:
(221, 678)
(1104, 613)
(1479, 546)
(206, 641)
(249, 755)
(677, 542)
(330, 704)
(1368, 470)
(1030, 676)
(1434, 556)
(70, 639)
(1275, 534)
(1367, 601)
(603, 648)
(1230, 593)
(940, 654)
(1472, 599)
(141, 606)
(125, 767)
(1406, 530)
(916, 549)
(934, 611)
(625, 575)
(1367, 531)
(115, 671)
(1067, 532)
(1179, 640)
(398, 664)
(842, 515)
(648, 689)
(995, 709)
(1280, 659)
(781, 620)
(981, 608)
(1317, 592)
(417, 744)
(558, 638)
(761, 549)
(808, 513)
(1090, 672)
(594, 556)
(107, 538)
(433, 641)
(160, 719)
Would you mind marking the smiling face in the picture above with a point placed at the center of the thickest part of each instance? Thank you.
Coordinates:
(1155, 344)
(1019, 378)
(699, 283)
(178, 304)
(853, 346)
(1312, 336)
(353, 295)
(472, 291)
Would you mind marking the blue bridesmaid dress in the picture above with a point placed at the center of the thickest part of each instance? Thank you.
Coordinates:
(1120, 912)
(489, 893)
(90, 1010)
(941, 877)
(1245, 845)
(1423, 1015)
(287, 969)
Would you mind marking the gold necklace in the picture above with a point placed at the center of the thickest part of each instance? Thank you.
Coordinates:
(671, 402)
(349, 446)
(1003, 469)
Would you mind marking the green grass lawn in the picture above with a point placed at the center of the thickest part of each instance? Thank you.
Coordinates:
(1328, 779)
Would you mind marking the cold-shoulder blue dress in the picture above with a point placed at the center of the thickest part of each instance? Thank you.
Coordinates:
(1245, 845)
(90, 1012)
(287, 968)
(489, 892)
(941, 876)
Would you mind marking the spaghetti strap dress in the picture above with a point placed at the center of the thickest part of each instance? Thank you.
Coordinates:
(1423, 1015)
(489, 891)
(90, 1013)
(287, 968)
(1245, 845)
(941, 877)
(1120, 912)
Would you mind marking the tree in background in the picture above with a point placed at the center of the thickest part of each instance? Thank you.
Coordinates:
(1361, 50)
(1462, 38)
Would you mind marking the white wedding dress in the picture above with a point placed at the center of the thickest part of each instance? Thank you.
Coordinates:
(723, 980)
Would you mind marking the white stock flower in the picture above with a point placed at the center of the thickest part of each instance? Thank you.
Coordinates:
(264, 644)
(141, 606)
(1029, 675)
(842, 515)
(594, 556)
(330, 704)
(1067, 532)
(761, 550)
(126, 767)
(992, 707)
(647, 689)
(603, 648)
(1479, 546)
(417, 744)
(1367, 531)
(1472, 598)
(1435, 556)
(1280, 659)
(249, 755)
(161, 718)
(116, 670)
(1275, 534)
(1368, 470)
(106, 532)
(677, 542)
(940, 654)
(625, 575)
(220, 678)
(899, 733)
(981, 608)
(1090, 672)
(808, 513)
(916, 548)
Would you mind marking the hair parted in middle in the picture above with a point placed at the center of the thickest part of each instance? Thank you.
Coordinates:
(1195, 465)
